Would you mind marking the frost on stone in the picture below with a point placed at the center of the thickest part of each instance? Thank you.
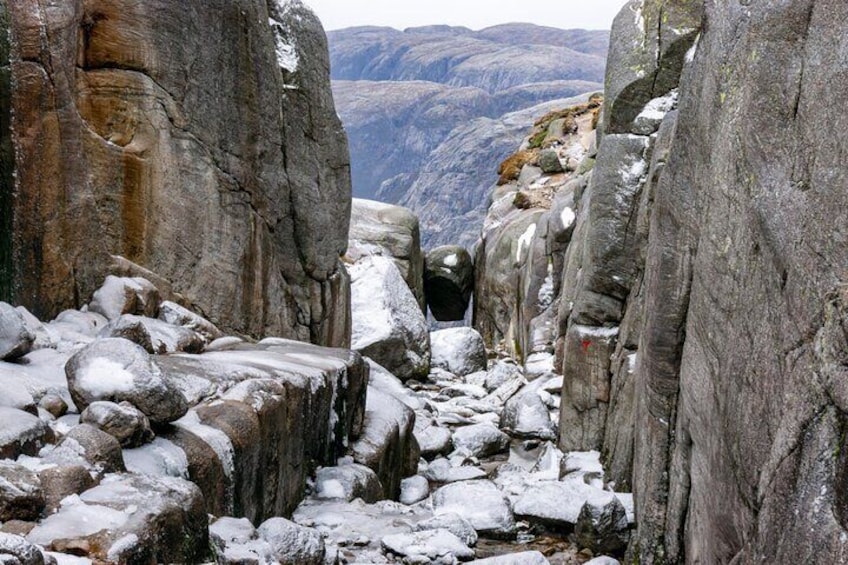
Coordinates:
(524, 241)
(285, 45)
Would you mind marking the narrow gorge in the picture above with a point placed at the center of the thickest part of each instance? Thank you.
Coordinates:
(211, 352)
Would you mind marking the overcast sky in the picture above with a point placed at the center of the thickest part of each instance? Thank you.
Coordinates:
(476, 14)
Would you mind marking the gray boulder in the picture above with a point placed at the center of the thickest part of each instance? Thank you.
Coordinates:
(414, 489)
(236, 542)
(19, 551)
(460, 351)
(395, 230)
(119, 370)
(438, 546)
(448, 282)
(176, 315)
(526, 416)
(154, 335)
(347, 482)
(602, 525)
(88, 446)
(63, 480)
(549, 161)
(21, 433)
(123, 421)
(388, 325)
(454, 523)
(481, 503)
(16, 340)
(480, 440)
(21, 495)
(293, 544)
(433, 441)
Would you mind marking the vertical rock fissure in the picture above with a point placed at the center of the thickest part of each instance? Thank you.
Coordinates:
(7, 159)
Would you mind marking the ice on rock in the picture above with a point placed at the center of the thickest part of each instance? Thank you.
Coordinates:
(435, 545)
(480, 502)
(161, 457)
(125, 295)
(21, 433)
(77, 519)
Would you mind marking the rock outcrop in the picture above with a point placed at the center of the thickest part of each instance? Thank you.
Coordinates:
(699, 285)
(126, 120)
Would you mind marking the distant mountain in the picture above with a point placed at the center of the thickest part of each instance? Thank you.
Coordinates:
(403, 94)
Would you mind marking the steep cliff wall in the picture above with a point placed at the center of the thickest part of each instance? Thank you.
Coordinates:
(702, 305)
(198, 140)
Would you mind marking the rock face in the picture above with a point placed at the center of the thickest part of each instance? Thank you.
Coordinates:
(119, 135)
(699, 285)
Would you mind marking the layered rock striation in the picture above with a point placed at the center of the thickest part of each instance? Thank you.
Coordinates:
(127, 121)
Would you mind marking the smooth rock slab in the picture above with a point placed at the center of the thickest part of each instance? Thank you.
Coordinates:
(131, 519)
(479, 502)
(15, 338)
(293, 544)
(432, 544)
(119, 370)
(460, 351)
(480, 440)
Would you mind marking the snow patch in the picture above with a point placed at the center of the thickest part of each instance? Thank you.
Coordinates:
(524, 241)
(103, 378)
(451, 260)
(567, 217)
(591, 331)
(657, 108)
(287, 56)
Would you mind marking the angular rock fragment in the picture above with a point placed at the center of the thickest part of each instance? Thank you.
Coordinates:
(21, 495)
(481, 503)
(347, 482)
(480, 440)
(125, 295)
(15, 338)
(21, 433)
(414, 489)
(454, 523)
(435, 545)
(153, 335)
(291, 543)
(122, 421)
(602, 524)
(526, 416)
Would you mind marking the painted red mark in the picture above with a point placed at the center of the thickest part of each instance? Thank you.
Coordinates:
(586, 345)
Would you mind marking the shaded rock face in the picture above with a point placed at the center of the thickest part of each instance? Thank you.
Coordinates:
(128, 120)
(448, 282)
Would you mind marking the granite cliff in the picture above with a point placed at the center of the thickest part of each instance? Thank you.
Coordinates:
(688, 280)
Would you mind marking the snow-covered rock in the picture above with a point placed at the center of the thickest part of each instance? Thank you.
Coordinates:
(347, 482)
(480, 440)
(388, 325)
(414, 489)
(441, 471)
(439, 546)
(21, 433)
(454, 523)
(522, 558)
(119, 370)
(154, 335)
(433, 441)
(481, 503)
(458, 350)
(15, 338)
(526, 416)
(123, 421)
(19, 551)
(176, 315)
(383, 380)
(125, 295)
(500, 373)
(235, 540)
(554, 503)
(90, 447)
(21, 496)
(603, 560)
(293, 544)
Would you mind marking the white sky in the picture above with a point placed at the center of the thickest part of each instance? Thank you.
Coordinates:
(475, 14)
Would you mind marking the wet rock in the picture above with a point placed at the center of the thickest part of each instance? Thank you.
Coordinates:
(454, 523)
(154, 335)
(602, 525)
(21, 495)
(62, 481)
(526, 416)
(414, 489)
(480, 440)
(521, 558)
(433, 441)
(448, 282)
(434, 545)
(21, 433)
(119, 370)
(387, 444)
(460, 351)
(130, 519)
(87, 445)
(122, 421)
(393, 229)
(176, 315)
(15, 338)
(479, 502)
(347, 482)
(125, 295)
(293, 544)
(388, 326)
(19, 551)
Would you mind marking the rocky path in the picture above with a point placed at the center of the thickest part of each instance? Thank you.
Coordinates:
(490, 484)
